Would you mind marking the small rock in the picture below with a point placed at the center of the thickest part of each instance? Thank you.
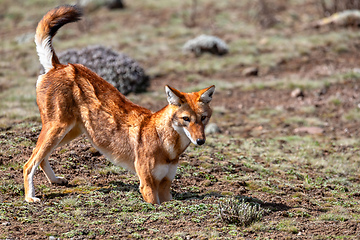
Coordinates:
(72, 152)
(250, 71)
(93, 5)
(264, 41)
(323, 91)
(94, 151)
(4, 127)
(297, 92)
(206, 43)
(279, 108)
(346, 18)
(309, 130)
(52, 238)
(212, 128)
(6, 224)
(115, 4)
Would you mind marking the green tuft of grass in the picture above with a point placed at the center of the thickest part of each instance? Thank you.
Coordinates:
(287, 226)
(239, 212)
(333, 217)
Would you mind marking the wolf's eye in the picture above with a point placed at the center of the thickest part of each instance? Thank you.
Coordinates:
(186, 119)
(203, 118)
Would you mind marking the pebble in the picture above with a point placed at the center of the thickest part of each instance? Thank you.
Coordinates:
(297, 92)
(250, 71)
(93, 150)
(309, 130)
(212, 128)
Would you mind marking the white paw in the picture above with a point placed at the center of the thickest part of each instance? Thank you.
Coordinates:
(60, 181)
(32, 199)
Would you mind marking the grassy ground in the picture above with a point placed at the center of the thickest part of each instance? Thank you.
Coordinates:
(306, 183)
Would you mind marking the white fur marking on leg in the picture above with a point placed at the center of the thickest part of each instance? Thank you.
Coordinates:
(164, 170)
(50, 175)
(172, 171)
(31, 192)
(49, 172)
(160, 171)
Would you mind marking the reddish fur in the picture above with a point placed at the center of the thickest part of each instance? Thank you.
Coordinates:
(73, 100)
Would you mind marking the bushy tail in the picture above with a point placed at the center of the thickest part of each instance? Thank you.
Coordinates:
(46, 30)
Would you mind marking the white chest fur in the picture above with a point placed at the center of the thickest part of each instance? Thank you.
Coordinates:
(164, 170)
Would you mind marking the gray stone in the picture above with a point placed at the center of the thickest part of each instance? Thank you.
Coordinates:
(250, 71)
(297, 92)
(212, 128)
(206, 43)
(309, 130)
(93, 5)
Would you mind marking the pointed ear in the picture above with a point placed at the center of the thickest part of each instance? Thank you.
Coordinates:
(206, 94)
(173, 96)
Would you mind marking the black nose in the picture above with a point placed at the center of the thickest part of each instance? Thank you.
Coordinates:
(200, 141)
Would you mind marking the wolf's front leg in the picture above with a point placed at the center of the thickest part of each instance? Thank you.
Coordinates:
(149, 185)
(149, 189)
(164, 190)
